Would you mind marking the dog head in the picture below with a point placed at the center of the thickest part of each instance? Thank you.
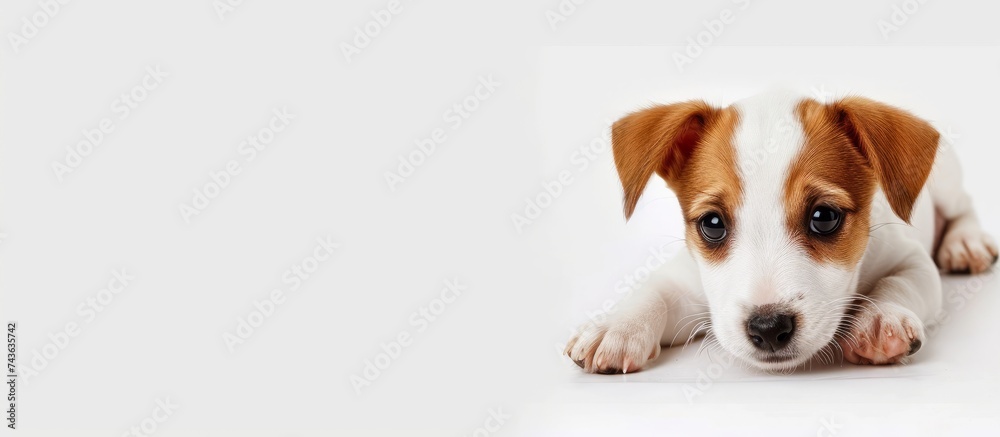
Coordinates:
(776, 193)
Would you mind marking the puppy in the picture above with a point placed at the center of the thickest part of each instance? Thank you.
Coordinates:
(811, 228)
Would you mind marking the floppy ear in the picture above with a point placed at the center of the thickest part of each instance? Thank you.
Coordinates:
(659, 139)
(897, 145)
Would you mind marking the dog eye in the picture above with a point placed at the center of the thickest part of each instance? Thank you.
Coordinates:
(713, 229)
(824, 220)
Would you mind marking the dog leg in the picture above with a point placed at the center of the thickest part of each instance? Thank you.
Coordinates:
(668, 306)
(964, 248)
(888, 324)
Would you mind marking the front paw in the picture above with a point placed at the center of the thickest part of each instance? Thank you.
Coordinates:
(881, 334)
(614, 347)
(966, 249)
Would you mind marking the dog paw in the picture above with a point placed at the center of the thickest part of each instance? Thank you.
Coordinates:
(967, 250)
(885, 334)
(616, 347)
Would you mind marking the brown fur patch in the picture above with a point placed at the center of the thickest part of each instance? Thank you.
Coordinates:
(899, 147)
(851, 146)
(710, 183)
(828, 171)
(690, 146)
(657, 139)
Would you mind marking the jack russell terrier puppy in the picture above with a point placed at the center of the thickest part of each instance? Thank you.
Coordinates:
(811, 228)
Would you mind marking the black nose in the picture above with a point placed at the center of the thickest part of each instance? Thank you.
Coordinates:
(771, 332)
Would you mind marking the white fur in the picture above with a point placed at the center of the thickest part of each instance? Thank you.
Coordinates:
(764, 265)
(896, 275)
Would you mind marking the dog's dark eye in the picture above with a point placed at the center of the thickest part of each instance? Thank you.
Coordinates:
(713, 229)
(824, 220)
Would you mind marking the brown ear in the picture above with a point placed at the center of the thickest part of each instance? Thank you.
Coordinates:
(898, 146)
(658, 139)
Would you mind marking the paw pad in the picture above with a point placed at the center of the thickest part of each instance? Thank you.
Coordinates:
(884, 336)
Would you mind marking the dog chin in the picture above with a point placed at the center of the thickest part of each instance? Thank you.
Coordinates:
(777, 364)
(780, 362)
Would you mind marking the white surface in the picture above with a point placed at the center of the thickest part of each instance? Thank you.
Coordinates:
(956, 351)
(493, 347)
(956, 366)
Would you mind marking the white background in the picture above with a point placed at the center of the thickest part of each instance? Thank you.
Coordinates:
(494, 347)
